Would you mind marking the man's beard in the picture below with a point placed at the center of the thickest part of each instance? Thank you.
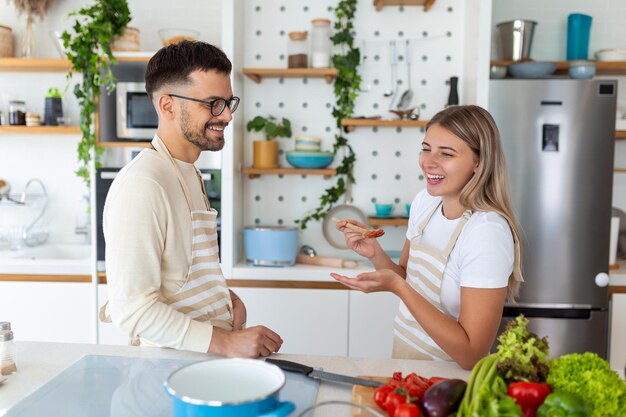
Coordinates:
(199, 138)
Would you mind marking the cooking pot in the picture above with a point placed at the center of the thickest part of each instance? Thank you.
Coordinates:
(228, 387)
(271, 245)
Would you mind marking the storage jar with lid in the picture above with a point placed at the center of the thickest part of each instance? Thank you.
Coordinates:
(320, 43)
(17, 113)
(6, 42)
(8, 353)
(297, 50)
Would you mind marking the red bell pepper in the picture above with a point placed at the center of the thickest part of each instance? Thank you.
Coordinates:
(529, 395)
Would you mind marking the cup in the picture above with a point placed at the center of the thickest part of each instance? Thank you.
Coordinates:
(408, 209)
(15, 237)
(578, 28)
(383, 210)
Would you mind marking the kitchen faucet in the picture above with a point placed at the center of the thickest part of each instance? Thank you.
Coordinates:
(31, 238)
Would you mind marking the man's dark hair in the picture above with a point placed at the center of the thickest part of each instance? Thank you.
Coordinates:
(174, 63)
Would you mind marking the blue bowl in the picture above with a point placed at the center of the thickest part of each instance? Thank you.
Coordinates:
(582, 69)
(309, 160)
(383, 210)
(532, 69)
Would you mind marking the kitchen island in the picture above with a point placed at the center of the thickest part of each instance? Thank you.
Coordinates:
(38, 362)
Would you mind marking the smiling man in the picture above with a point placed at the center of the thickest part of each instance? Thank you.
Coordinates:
(165, 284)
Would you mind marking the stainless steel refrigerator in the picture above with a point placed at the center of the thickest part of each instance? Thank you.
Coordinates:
(558, 137)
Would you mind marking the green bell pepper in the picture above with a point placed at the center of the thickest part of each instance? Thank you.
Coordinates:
(563, 404)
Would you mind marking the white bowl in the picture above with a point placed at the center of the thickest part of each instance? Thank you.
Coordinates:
(611, 54)
(497, 71)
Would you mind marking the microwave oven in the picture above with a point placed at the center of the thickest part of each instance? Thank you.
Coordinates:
(136, 117)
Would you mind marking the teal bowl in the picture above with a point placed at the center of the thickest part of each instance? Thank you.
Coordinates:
(383, 210)
(309, 160)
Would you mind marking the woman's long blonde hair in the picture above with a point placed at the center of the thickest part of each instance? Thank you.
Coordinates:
(488, 189)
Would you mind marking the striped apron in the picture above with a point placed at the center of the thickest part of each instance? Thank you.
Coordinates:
(204, 297)
(424, 274)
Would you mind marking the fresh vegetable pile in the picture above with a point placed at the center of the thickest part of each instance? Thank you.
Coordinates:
(516, 381)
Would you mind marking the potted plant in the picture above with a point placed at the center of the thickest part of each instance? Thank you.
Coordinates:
(265, 152)
(88, 48)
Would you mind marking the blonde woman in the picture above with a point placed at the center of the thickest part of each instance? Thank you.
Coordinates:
(461, 257)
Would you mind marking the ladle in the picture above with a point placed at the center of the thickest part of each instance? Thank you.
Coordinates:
(407, 96)
(394, 64)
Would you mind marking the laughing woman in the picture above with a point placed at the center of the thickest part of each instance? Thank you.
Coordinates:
(461, 258)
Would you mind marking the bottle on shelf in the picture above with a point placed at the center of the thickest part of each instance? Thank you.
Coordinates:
(320, 43)
(297, 50)
(453, 97)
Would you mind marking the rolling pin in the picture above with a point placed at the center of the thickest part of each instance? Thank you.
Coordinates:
(325, 261)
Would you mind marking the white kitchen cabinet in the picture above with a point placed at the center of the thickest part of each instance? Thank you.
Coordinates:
(49, 311)
(108, 333)
(617, 342)
(310, 321)
(371, 324)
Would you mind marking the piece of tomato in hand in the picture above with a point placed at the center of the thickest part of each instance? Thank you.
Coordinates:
(407, 410)
(392, 402)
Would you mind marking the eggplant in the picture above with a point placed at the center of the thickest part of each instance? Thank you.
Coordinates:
(443, 398)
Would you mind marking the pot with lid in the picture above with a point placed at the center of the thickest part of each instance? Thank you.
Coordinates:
(270, 245)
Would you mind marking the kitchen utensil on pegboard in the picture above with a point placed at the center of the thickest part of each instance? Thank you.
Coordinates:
(341, 211)
(407, 96)
(393, 58)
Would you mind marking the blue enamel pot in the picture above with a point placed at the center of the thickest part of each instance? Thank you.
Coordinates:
(228, 388)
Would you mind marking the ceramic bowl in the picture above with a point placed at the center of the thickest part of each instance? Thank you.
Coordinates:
(307, 143)
(383, 210)
(532, 69)
(497, 72)
(309, 160)
(611, 54)
(582, 69)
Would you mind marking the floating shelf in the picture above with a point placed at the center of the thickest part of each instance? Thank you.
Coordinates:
(391, 221)
(124, 144)
(50, 64)
(40, 130)
(602, 67)
(620, 170)
(379, 4)
(620, 134)
(257, 74)
(257, 172)
(351, 124)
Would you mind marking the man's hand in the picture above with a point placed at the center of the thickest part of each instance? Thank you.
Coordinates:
(248, 343)
(239, 312)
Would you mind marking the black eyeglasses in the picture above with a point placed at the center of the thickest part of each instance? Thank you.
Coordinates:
(217, 106)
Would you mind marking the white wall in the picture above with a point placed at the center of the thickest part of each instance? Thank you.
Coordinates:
(52, 158)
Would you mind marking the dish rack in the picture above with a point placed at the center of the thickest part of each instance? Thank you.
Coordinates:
(20, 215)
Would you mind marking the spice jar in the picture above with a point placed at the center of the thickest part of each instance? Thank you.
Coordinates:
(320, 43)
(297, 50)
(17, 113)
(8, 352)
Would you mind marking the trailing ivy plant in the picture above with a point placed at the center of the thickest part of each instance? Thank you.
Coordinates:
(88, 49)
(347, 87)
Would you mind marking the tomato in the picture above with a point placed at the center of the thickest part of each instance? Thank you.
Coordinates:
(380, 395)
(415, 390)
(433, 380)
(407, 410)
(397, 376)
(392, 402)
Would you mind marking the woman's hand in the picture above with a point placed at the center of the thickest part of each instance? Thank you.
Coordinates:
(366, 247)
(239, 312)
(377, 281)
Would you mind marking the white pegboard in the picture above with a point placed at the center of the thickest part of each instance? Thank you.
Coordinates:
(387, 158)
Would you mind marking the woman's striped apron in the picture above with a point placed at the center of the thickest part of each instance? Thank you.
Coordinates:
(204, 297)
(424, 273)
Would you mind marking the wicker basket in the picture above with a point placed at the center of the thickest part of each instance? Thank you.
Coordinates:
(6, 42)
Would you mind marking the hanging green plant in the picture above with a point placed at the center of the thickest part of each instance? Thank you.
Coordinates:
(88, 49)
(347, 87)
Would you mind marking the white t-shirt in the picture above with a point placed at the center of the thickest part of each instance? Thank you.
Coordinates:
(482, 257)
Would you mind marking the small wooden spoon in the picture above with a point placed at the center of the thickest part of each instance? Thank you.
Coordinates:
(367, 233)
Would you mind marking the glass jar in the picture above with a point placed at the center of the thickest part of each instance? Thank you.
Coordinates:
(320, 43)
(297, 50)
(8, 353)
(17, 113)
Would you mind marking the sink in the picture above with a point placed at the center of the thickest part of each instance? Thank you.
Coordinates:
(55, 252)
(48, 259)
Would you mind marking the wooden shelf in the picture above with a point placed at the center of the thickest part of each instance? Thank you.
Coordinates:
(124, 144)
(257, 172)
(620, 170)
(602, 67)
(49, 64)
(257, 74)
(379, 4)
(40, 130)
(391, 221)
(351, 124)
(620, 134)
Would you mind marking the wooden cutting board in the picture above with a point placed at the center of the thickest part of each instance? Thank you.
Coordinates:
(365, 396)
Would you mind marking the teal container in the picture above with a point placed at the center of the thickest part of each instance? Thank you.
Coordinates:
(578, 30)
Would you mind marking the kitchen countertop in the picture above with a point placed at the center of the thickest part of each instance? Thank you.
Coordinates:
(38, 362)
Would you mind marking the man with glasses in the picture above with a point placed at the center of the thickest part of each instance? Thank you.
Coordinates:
(165, 284)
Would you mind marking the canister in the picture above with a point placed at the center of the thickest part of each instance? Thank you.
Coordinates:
(320, 43)
(271, 245)
(297, 50)
(6, 42)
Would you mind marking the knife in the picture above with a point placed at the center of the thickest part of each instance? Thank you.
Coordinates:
(318, 374)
